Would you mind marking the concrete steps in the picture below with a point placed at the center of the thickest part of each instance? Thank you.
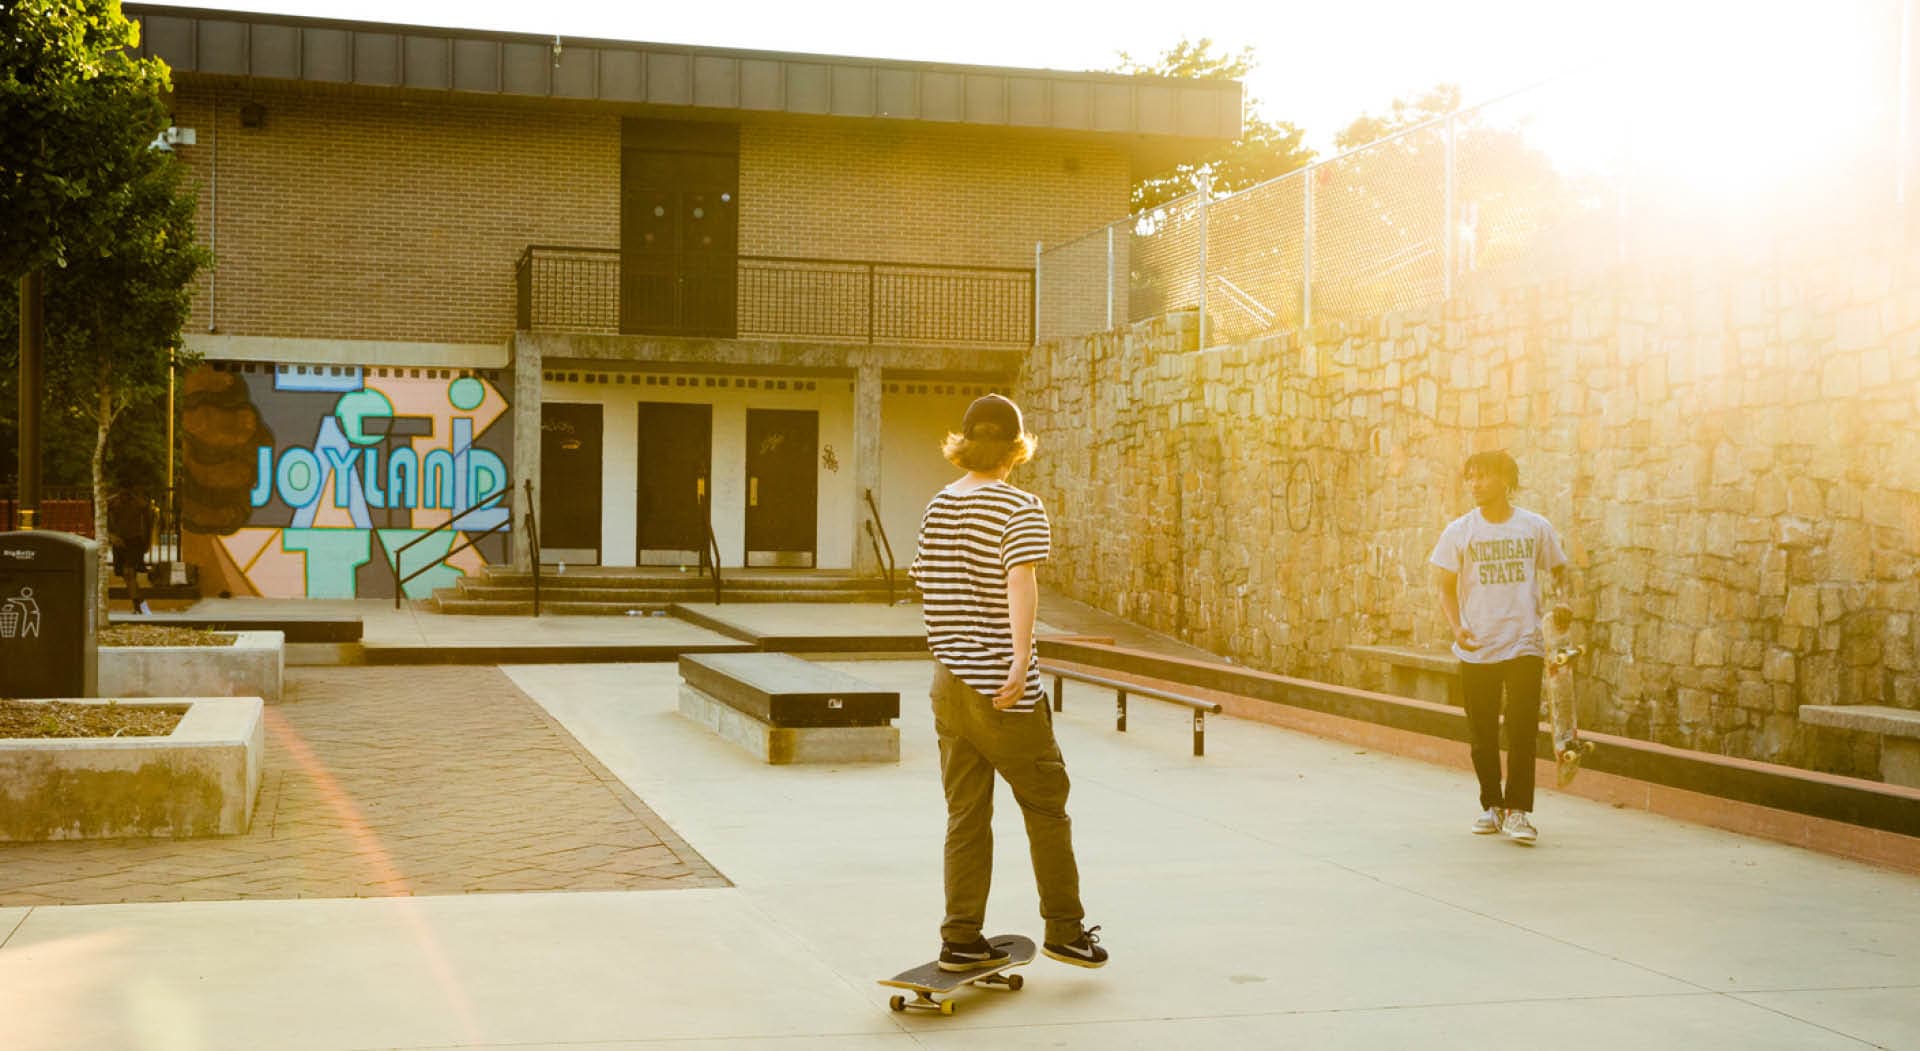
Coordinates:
(604, 592)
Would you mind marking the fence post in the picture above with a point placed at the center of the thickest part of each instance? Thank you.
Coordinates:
(1903, 145)
(1109, 277)
(1206, 192)
(1036, 291)
(1306, 260)
(1448, 233)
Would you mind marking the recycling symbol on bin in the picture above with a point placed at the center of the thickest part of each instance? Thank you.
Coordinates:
(20, 617)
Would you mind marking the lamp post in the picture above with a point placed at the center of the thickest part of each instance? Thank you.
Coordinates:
(33, 343)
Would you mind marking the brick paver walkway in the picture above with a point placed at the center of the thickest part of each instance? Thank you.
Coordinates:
(392, 781)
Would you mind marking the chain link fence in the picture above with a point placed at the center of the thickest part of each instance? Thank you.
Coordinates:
(1555, 179)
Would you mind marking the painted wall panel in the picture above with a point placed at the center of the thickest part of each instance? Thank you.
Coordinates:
(301, 481)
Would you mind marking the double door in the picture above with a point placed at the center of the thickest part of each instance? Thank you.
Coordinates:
(674, 485)
(679, 235)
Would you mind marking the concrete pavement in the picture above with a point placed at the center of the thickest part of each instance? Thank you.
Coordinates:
(1284, 890)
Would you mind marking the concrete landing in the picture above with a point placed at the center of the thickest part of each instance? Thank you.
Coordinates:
(1285, 891)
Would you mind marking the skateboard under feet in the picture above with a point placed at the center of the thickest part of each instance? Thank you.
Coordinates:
(928, 979)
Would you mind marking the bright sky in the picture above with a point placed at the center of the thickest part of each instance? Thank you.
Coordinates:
(1321, 64)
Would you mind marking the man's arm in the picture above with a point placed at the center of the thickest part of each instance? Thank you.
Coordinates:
(1447, 583)
(1023, 605)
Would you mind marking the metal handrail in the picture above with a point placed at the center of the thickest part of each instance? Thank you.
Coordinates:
(879, 542)
(526, 255)
(533, 545)
(488, 504)
(710, 554)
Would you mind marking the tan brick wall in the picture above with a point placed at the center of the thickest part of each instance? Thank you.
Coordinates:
(355, 217)
(914, 193)
(360, 218)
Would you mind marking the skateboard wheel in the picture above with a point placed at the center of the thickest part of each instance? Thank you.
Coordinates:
(1014, 982)
(898, 1003)
(946, 1007)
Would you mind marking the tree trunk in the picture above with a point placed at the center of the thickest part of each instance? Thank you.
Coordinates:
(104, 423)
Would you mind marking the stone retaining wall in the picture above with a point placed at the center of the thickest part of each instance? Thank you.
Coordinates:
(1733, 460)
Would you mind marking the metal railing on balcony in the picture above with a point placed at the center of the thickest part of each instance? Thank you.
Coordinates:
(570, 289)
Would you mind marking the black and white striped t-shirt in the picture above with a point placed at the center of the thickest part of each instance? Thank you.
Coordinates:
(968, 542)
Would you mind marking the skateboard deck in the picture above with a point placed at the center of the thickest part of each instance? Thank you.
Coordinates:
(1569, 751)
(928, 979)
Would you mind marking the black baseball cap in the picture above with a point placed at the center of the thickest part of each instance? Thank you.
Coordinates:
(996, 410)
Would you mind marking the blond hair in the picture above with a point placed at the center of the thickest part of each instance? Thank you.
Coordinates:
(988, 452)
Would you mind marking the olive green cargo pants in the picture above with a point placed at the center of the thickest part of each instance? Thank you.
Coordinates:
(976, 742)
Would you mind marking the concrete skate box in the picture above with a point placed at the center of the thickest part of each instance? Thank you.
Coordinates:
(783, 690)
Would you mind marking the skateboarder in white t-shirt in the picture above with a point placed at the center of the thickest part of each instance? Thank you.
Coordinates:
(1487, 572)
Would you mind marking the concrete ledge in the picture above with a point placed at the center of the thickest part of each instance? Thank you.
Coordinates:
(780, 745)
(791, 642)
(784, 691)
(314, 626)
(1429, 675)
(537, 653)
(253, 666)
(200, 780)
(1867, 804)
(1866, 718)
(1897, 728)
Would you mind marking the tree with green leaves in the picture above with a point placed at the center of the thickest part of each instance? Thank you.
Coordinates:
(1381, 209)
(114, 313)
(1265, 149)
(115, 316)
(78, 110)
(105, 216)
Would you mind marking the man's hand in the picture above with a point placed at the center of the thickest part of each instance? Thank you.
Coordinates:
(1465, 640)
(1012, 690)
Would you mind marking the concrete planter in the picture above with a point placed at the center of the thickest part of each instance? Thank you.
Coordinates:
(252, 667)
(200, 780)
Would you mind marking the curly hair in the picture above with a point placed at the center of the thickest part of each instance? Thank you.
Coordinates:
(1497, 463)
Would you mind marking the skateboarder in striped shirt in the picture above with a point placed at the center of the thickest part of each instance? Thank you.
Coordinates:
(980, 541)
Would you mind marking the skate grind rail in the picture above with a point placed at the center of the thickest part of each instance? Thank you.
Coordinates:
(1201, 709)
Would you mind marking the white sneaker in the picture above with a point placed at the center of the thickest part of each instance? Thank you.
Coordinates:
(1488, 823)
(1520, 829)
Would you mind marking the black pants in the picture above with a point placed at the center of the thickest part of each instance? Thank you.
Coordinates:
(1482, 685)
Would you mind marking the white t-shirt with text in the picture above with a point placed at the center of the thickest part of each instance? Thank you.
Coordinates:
(1499, 565)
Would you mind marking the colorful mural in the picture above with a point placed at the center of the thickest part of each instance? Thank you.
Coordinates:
(303, 481)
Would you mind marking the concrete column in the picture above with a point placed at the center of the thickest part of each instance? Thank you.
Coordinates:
(526, 439)
(866, 457)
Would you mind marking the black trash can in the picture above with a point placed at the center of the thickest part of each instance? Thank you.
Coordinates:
(47, 627)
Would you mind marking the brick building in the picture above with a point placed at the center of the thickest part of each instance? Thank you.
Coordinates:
(669, 286)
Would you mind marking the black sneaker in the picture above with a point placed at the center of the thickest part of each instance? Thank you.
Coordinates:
(1084, 951)
(971, 956)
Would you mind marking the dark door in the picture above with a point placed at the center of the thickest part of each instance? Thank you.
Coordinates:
(679, 196)
(570, 483)
(783, 485)
(670, 506)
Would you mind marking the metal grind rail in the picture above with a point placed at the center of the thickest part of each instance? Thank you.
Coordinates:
(1121, 690)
